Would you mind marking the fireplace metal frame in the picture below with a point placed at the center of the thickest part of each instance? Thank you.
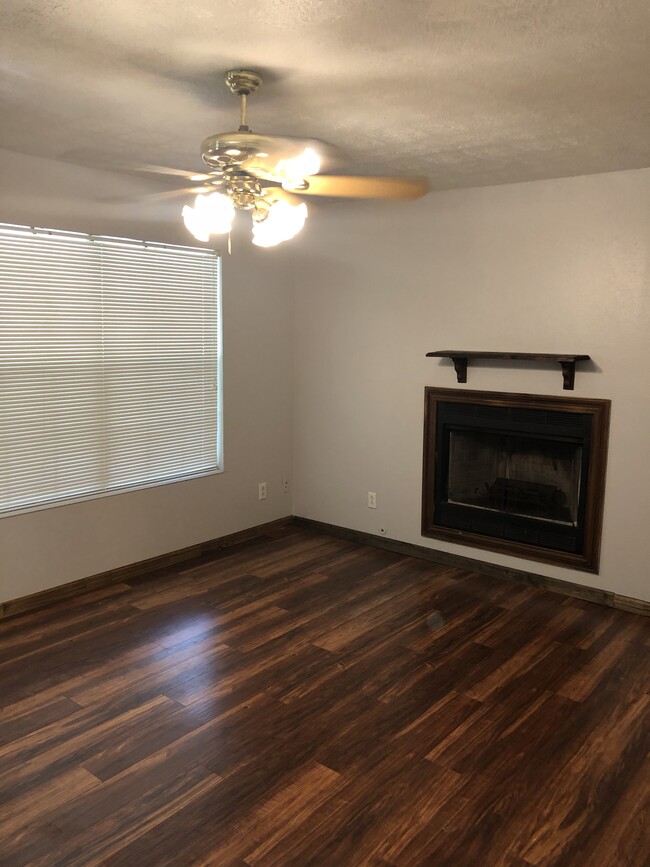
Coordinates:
(594, 413)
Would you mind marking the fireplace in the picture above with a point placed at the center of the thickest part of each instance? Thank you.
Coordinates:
(521, 474)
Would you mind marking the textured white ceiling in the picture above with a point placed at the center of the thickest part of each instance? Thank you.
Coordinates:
(466, 92)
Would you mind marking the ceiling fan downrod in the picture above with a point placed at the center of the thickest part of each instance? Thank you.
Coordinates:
(243, 126)
(243, 82)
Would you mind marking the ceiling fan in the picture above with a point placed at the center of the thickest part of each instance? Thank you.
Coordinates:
(265, 174)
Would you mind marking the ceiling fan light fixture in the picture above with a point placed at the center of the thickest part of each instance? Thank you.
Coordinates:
(249, 168)
(211, 215)
(282, 223)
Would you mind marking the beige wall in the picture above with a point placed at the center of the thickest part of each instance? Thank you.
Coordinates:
(550, 266)
(53, 546)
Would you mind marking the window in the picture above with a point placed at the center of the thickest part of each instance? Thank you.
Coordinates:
(110, 366)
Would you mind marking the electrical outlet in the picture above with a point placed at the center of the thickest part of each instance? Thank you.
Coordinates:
(372, 500)
(285, 486)
(262, 491)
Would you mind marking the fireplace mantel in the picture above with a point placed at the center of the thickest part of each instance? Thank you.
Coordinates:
(460, 358)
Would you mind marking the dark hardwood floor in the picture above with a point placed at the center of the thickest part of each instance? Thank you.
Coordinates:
(283, 702)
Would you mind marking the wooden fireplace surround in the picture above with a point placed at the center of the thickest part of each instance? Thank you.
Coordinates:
(599, 410)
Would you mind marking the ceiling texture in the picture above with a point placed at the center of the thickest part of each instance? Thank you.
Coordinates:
(464, 92)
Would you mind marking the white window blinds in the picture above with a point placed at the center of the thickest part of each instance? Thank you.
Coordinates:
(109, 365)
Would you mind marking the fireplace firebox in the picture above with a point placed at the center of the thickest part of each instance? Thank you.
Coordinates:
(517, 473)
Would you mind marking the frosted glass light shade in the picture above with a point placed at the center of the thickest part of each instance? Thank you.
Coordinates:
(211, 215)
(283, 223)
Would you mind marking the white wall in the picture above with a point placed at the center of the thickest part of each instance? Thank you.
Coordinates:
(550, 266)
(54, 546)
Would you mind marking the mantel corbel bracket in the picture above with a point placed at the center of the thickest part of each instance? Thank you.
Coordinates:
(568, 374)
(460, 365)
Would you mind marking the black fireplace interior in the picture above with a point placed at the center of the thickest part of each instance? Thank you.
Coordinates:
(513, 473)
(523, 475)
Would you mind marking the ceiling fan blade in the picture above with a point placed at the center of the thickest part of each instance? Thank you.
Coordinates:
(355, 187)
(159, 197)
(165, 170)
(185, 191)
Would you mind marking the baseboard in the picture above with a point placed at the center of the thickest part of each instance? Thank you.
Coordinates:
(114, 576)
(555, 585)
(43, 598)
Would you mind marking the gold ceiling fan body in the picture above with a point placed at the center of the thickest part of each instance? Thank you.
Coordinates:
(267, 175)
(246, 165)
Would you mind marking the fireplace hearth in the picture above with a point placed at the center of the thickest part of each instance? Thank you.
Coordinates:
(521, 474)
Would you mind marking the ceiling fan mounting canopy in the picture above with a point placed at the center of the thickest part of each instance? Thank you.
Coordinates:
(243, 81)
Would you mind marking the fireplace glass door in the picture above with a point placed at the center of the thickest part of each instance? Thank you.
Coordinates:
(515, 474)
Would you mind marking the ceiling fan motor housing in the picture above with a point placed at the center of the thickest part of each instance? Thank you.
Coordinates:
(229, 148)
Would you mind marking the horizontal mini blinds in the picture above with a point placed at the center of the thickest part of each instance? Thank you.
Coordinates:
(109, 365)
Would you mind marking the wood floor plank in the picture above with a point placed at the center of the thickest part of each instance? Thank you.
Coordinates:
(190, 834)
(147, 675)
(97, 740)
(33, 713)
(105, 842)
(277, 817)
(20, 810)
(586, 787)
(287, 701)
(111, 815)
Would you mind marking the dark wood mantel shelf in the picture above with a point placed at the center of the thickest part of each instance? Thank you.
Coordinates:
(461, 357)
